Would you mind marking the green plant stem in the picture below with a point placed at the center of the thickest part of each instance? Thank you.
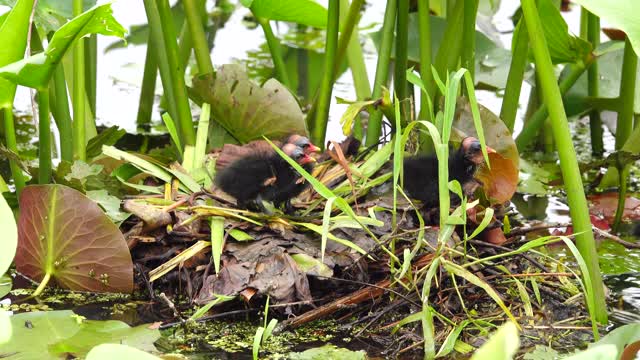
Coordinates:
(147, 92)
(198, 37)
(374, 128)
(424, 28)
(568, 162)
(60, 102)
(625, 122)
(349, 41)
(164, 37)
(535, 122)
(10, 137)
(469, 36)
(448, 56)
(276, 52)
(91, 69)
(595, 122)
(318, 127)
(44, 129)
(400, 64)
(519, 60)
(79, 121)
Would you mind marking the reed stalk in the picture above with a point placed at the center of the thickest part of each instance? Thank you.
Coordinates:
(519, 60)
(44, 130)
(79, 93)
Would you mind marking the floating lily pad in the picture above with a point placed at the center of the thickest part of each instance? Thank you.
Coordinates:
(56, 334)
(246, 110)
(64, 234)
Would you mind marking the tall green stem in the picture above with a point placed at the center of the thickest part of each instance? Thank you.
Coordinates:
(374, 128)
(164, 37)
(79, 121)
(351, 36)
(12, 144)
(91, 69)
(147, 92)
(595, 122)
(319, 127)
(400, 66)
(424, 28)
(44, 129)
(62, 115)
(276, 52)
(449, 55)
(625, 121)
(568, 161)
(203, 57)
(469, 36)
(519, 60)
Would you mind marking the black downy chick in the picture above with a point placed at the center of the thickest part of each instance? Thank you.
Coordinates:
(421, 172)
(261, 176)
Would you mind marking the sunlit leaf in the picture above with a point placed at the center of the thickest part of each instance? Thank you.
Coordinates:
(502, 345)
(117, 351)
(328, 352)
(305, 12)
(37, 70)
(6, 283)
(13, 42)
(52, 14)
(563, 46)
(311, 265)
(64, 234)
(246, 110)
(622, 14)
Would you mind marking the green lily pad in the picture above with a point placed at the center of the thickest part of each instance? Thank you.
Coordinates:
(64, 234)
(328, 352)
(117, 351)
(246, 110)
(305, 12)
(9, 236)
(56, 334)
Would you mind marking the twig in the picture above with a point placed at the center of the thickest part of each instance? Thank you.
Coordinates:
(612, 237)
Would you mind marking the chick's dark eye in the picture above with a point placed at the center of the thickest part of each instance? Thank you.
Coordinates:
(475, 146)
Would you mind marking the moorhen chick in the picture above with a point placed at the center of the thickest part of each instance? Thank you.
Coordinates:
(421, 172)
(261, 175)
(231, 152)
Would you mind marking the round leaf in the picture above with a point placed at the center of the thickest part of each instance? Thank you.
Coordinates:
(63, 233)
(9, 236)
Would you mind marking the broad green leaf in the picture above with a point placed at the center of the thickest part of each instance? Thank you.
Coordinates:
(6, 283)
(305, 12)
(13, 42)
(502, 345)
(65, 235)
(269, 329)
(246, 110)
(117, 351)
(37, 70)
(54, 334)
(563, 47)
(350, 114)
(621, 14)
(5, 327)
(328, 351)
(9, 242)
(52, 14)
(110, 204)
(108, 136)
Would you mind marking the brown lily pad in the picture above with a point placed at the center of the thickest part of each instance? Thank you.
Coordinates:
(66, 235)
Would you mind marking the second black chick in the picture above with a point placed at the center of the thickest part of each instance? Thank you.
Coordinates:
(259, 176)
(421, 172)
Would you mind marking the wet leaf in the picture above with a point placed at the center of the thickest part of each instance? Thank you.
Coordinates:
(36, 71)
(305, 12)
(605, 205)
(501, 180)
(53, 334)
(246, 110)
(9, 241)
(63, 233)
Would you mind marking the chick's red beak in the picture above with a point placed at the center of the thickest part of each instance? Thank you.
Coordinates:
(306, 160)
(312, 149)
(490, 150)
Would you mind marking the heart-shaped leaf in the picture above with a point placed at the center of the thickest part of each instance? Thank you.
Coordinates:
(52, 14)
(36, 71)
(501, 180)
(9, 241)
(246, 110)
(67, 236)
